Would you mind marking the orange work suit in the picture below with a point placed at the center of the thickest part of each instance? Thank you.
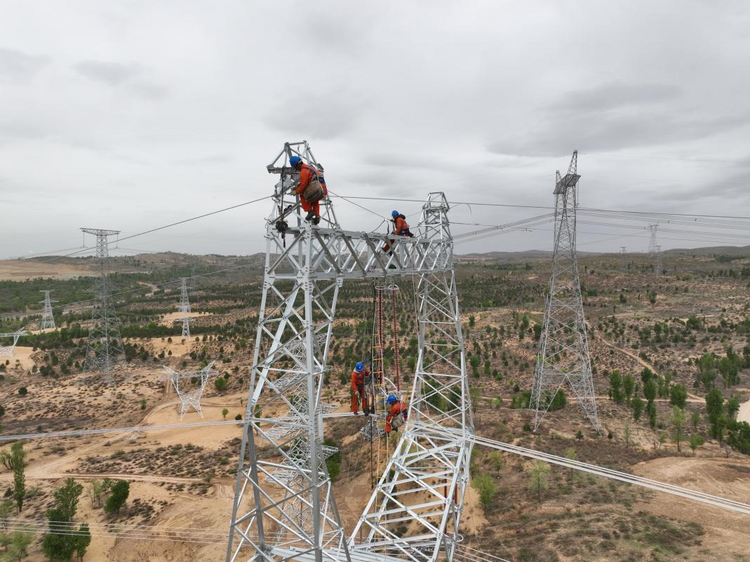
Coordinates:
(358, 390)
(400, 228)
(305, 177)
(398, 409)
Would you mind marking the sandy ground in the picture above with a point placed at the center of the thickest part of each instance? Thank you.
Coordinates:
(726, 532)
(169, 319)
(23, 356)
(744, 413)
(21, 270)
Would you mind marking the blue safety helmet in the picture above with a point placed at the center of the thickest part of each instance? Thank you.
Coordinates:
(294, 160)
(392, 399)
(394, 214)
(359, 367)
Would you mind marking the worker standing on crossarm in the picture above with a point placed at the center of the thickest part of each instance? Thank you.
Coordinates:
(397, 414)
(359, 397)
(311, 188)
(400, 228)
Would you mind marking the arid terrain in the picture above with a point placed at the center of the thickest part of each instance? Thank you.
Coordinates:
(685, 334)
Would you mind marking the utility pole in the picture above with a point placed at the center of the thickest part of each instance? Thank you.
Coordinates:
(563, 347)
(48, 319)
(105, 343)
(623, 260)
(184, 307)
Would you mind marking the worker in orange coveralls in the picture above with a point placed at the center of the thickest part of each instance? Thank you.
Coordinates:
(307, 175)
(400, 228)
(397, 416)
(358, 389)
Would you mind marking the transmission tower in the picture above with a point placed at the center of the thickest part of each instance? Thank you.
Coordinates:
(658, 269)
(184, 307)
(7, 350)
(48, 319)
(189, 396)
(563, 348)
(105, 343)
(623, 260)
(284, 507)
(652, 228)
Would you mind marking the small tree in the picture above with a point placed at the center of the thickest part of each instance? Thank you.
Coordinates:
(486, 487)
(615, 387)
(678, 421)
(695, 442)
(118, 496)
(678, 396)
(538, 478)
(628, 386)
(18, 546)
(221, 384)
(224, 413)
(637, 407)
(82, 541)
(497, 461)
(15, 461)
(696, 419)
(714, 408)
(626, 434)
(95, 493)
(67, 499)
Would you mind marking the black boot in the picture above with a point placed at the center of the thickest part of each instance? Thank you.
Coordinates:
(316, 220)
(310, 216)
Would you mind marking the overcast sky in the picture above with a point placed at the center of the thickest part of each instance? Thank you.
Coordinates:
(130, 115)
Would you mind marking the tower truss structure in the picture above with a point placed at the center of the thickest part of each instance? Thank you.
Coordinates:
(623, 259)
(284, 507)
(7, 350)
(105, 347)
(189, 396)
(48, 319)
(184, 308)
(652, 230)
(563, 357)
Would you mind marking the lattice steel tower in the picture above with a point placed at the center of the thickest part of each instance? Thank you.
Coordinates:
(563, 357)
(284, 507)
(48, 319)
(623, 259)
(652, 229)
(105, 347)
(184, 307)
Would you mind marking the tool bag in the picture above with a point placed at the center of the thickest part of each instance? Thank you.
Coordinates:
(314, 190)
(399, 419)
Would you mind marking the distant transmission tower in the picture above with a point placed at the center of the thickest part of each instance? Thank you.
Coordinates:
(187, 397)
(184, 307)
(652, 228)
(105, 343)
(48, 319)
(7, 350)
(658, 269)
(623, 260)
(564, 349)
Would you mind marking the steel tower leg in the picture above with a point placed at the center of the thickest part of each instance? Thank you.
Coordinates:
(415, 510)
(563, 356)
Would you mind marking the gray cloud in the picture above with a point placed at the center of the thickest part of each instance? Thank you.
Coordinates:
(109, 73)
(614, 95)
(17, 65)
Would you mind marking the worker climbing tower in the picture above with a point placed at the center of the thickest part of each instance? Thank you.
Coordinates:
(105, 343)
(284, 507)
(48, 319)
(563, 357)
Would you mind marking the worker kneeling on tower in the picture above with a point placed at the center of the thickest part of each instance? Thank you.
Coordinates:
(400, 228)
(397, 414)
